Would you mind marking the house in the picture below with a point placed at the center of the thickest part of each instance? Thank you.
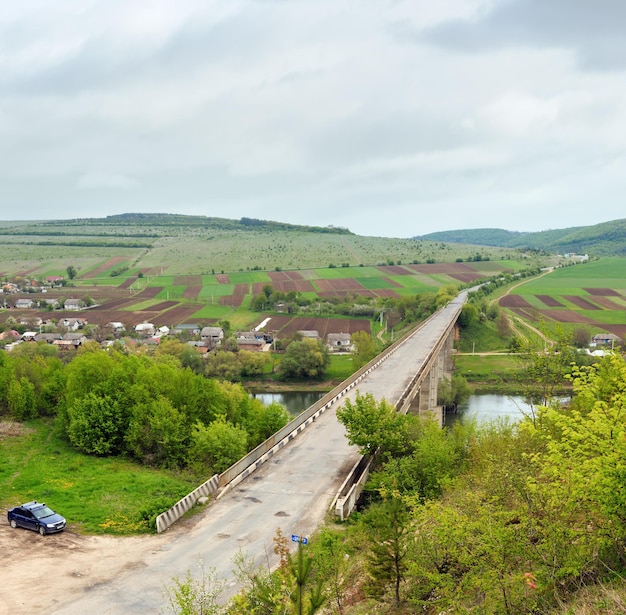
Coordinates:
(50, 303)
(12, 335)
(76, 339)
(48, 338)
(73, 304)
(339, 342)
(145, 329)
(54, 279)
(31, 321)
(191, 329)
(212, 336)
(314, 335)
(605, 339)
(24, 304)
(254, 344)
(71, 324)
(116, 327)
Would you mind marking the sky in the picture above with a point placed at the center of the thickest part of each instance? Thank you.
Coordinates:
(392, 118)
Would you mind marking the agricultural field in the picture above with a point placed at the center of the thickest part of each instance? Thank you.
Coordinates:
(170, 274)
(590, 295)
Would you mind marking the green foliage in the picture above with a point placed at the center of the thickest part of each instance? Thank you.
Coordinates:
(218, 445)
(388, 526)
(451, 392)
(96, 424)
(305, 359)
(157, 433)
(364, 348)
(196, 595)
(373, 425)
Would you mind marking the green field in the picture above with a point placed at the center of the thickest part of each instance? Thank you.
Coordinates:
(97, 495)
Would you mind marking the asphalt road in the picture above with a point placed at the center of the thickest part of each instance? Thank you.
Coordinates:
(292, 492)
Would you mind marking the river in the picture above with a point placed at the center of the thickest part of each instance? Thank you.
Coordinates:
(482, 407)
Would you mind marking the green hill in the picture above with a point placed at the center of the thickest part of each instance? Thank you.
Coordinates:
(605, 239)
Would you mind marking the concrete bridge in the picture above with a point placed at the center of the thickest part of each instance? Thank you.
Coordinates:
(288, 483)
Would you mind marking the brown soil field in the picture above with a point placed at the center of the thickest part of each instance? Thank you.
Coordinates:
(466, 277)
(164, 305)
(150, 292)
(602, 292)
(445, 268)
(188, 280)
(127, 283)
(222, 278)
(232, 300)
(241, 289)
(581, 303)
(549, 301)
(394, 270)
(191, 292)
(568, 316)
(514, 301)
(182, 313)
(95, 273)
(608, 304)
(339, 284)
(386, 292)
(288, 325)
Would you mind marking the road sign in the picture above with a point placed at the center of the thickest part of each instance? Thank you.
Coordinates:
(296, 538)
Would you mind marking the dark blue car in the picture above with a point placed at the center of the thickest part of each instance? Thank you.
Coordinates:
(36, 516)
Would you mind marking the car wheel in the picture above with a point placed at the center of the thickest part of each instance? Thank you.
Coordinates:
(42, 530)
(13, 523)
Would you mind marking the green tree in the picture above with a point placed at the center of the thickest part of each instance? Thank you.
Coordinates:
(71, 272)
(196, 595)
(157, 433)
(305, 359)
(21, 399)
(388, 524)
(373, 425)
(96, 425)
(219, 445)
(223, 365)
(364, 348)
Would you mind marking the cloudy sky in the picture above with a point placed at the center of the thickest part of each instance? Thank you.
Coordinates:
(390, 117)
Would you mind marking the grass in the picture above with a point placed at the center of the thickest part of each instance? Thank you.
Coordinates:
(96, 494)
(489, 372)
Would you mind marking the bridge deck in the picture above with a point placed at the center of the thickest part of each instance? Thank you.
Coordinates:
(292, 492)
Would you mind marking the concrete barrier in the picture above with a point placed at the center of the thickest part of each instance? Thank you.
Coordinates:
(264, 451)
(167, 518)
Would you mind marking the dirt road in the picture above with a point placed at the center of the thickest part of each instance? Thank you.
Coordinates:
(39, 573)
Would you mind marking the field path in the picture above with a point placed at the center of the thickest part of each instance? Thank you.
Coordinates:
(516, 329)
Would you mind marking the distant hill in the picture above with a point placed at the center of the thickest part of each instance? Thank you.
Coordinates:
(605, 239)
(173, 220)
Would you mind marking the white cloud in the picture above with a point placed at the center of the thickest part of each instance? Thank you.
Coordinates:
(439, 114)
(113, 181)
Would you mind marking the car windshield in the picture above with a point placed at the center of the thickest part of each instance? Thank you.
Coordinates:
(43, 512)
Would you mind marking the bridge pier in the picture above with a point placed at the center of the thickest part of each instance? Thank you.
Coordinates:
(423, 397)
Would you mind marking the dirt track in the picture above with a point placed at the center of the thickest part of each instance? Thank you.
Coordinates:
(39, 573)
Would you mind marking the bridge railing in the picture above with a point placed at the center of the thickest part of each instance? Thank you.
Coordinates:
(264, 451)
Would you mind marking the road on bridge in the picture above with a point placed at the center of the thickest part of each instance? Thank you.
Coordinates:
(292, 491)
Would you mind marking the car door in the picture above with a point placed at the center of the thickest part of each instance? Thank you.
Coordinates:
(28, 519)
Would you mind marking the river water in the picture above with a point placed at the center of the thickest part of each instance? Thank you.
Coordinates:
(481, 407)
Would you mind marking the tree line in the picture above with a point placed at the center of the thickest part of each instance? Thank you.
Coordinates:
(147, 406)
